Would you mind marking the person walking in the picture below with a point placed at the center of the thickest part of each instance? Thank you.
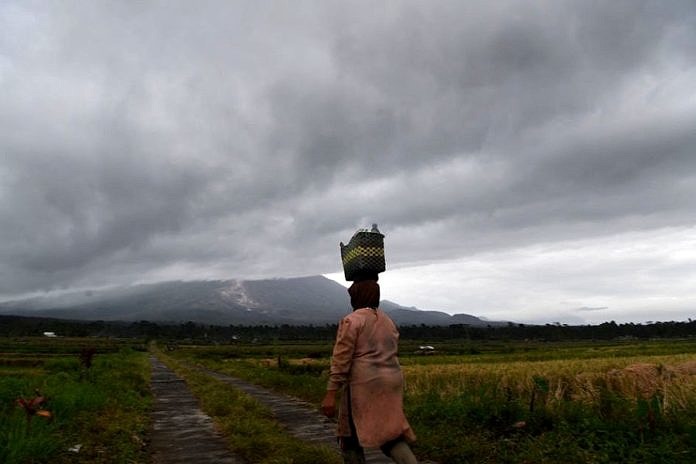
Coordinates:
(365, 368)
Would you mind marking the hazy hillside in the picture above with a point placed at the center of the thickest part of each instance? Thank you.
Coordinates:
(303, 300)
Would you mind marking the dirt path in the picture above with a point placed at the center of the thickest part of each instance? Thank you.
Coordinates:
(182, 433)
(300, 418)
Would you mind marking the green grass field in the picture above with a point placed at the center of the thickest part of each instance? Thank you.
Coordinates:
(100, 412)
(620, 402)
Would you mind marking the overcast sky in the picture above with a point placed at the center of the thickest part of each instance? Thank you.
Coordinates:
(527, 160)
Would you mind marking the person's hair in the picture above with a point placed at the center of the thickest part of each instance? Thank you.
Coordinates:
(364, 294)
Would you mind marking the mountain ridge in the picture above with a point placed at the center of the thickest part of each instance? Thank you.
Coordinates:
(294, 301)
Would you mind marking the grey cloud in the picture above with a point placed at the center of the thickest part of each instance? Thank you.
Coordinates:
(462, 80)
(548, 72)
(592, 308)
(250, 138)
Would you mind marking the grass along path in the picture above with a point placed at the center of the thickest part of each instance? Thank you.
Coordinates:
(301, 419)
(249, 428)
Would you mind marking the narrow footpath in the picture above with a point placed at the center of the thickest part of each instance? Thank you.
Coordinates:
(182, 433)
(299, 418)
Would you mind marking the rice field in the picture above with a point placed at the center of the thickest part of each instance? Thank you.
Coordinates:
(496, 402)
(621, 402)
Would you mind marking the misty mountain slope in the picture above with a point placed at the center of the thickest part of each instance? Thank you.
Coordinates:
(313, 297)
(303, 300)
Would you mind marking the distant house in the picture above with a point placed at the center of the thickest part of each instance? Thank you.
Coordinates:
(50, 334)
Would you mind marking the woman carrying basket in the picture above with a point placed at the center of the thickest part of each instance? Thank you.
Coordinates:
(365, 367)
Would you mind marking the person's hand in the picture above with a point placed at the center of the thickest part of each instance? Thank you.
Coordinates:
(328, 405)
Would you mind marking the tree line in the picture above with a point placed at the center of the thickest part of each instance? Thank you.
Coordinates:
(20, 326)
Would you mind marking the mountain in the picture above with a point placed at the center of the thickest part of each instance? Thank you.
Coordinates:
(303, 300)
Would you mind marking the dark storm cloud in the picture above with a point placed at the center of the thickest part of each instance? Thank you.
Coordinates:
(246, 139)
(444, 80)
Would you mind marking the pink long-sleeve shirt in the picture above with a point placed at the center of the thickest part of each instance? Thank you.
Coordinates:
(365, 358)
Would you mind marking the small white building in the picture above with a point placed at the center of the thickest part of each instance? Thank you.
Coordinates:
(50, 334)
(426, 349)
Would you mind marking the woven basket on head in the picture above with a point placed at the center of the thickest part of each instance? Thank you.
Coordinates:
(363, 256)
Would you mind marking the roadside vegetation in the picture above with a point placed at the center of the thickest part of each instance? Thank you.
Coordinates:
(519, 402)
(73, 400)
